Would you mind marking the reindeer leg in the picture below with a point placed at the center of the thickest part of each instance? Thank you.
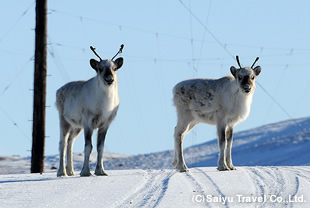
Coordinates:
(229, 139)
(87, 150)
(222, 145)
(64, 133)
(73, 135)
(100, 145)
(182, 128)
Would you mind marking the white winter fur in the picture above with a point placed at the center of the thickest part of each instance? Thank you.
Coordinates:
(222, 102)
(87, 105)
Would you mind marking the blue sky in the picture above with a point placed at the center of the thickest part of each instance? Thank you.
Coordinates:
(164, 44)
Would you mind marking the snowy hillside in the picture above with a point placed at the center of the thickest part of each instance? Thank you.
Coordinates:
(272, 171)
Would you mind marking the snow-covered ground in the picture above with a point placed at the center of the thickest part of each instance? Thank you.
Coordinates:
(256, 186)
(272, 171)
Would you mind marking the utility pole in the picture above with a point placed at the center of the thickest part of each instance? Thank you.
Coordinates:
(39, 97)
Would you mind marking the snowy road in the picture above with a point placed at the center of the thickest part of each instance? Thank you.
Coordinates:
(201, 187)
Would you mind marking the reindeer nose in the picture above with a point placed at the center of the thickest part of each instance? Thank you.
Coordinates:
(247, 88)
(109, 79)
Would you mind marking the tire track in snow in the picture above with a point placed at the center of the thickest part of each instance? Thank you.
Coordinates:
(278, 183)
(302, 181)
(300, 171)
(198, 187)
(276, 177)
(213, 183)
(290, 184)
(272, 180)
(150, 193)
(258, 182)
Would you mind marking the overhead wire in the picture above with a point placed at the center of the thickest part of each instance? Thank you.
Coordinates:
(209, 31)
(7, 87)
(225, 45)
(17, 75)
(14, 123)
(204, 35)
(16, 22)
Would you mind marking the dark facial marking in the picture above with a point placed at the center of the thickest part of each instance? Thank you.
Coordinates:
(246, 83)
(245, 80)
(108, 76)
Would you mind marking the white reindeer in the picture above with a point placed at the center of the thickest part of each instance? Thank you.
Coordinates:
(222, 102)
(88, 105)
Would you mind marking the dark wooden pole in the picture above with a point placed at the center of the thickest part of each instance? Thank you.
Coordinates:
(39, 97)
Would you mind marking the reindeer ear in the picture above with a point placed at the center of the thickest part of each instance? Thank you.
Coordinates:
(94, 64)
(233, 71)
(119, 63)
(257, 70)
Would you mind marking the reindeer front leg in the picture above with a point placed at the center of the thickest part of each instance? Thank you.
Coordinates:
(222, 145)
(100, 146)
(87, 150)
(229, 139)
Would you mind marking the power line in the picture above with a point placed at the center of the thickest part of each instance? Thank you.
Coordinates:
(209, 61)
(13, 25)
(212, 35)
(224, 45)
(204, 34)
(280, 106)
(15, 124)
(16, 76)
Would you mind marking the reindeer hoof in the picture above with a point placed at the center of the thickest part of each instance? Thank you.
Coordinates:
(101, 173)
(182, 168)
(223, 168)
(70, 173)
(232, 168)
(61, 173)
(85, 173)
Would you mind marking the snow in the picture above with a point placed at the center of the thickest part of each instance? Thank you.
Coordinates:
(272, 171)
(201, 187)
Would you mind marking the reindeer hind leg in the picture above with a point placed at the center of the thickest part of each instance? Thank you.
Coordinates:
(183, 127)
(64, 134)
(74, 133)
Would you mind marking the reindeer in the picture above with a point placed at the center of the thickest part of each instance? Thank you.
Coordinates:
(222, 102)
(88, 105)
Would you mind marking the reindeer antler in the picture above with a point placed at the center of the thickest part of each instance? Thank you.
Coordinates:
(119, 51)
(254, 62)
(93, 49)
(237, 58)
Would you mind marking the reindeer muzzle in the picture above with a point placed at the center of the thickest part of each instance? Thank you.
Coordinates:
(109, 79)
(247, 88)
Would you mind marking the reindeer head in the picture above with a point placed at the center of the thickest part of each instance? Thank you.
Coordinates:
(106, 69)
(245, 76)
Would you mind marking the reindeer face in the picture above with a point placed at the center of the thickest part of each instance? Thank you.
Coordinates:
(246, 77)
(106, 69)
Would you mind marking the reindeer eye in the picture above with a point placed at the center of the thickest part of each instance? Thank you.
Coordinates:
(240, 77)
(252, 77)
